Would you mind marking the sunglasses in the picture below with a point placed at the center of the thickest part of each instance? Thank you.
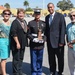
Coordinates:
(6, 13)
(72, 15)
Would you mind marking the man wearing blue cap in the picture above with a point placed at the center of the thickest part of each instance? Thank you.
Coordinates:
(36, 29)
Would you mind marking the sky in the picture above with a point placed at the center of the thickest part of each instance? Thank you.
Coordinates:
(32, 3)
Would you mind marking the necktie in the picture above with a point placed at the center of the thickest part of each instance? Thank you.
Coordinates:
(50, 19)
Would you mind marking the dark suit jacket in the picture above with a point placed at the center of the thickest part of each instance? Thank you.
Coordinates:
(17, 30)
(55, 32)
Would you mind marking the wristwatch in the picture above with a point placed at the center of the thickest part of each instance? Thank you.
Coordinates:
(71, 42)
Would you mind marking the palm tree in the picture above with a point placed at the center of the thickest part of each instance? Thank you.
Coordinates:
(26, 4)
(7, 5)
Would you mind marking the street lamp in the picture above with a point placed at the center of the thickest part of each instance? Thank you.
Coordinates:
(43, 7)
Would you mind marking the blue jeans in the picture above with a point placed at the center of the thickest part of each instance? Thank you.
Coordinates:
(36, 61)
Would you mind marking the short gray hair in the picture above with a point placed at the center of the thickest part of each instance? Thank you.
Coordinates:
(73, 11)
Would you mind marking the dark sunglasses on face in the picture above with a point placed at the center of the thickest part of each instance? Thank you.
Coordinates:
(72, 15)
(6, 13)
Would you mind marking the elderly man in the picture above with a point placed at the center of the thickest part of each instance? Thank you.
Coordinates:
(71, 43)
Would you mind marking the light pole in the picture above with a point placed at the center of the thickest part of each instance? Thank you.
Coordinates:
(43, 7)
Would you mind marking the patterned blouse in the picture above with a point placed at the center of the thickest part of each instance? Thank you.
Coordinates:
(4, 30)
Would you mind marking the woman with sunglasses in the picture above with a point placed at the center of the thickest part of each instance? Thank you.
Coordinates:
(4, 40)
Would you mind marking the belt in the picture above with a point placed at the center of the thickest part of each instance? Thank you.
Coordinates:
(37, 35)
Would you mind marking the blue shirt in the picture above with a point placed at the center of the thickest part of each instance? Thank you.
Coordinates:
(71, 33)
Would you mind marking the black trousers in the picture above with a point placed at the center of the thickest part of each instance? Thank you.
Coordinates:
(52, 53)
(18, 56)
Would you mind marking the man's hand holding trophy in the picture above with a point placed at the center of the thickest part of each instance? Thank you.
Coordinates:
(40, 38)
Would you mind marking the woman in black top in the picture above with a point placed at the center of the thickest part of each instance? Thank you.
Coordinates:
(18, 35)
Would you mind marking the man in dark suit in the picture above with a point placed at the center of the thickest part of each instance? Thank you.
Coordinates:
(55, 33)
(18, 35)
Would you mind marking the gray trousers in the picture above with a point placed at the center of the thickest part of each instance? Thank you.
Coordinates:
(71, 61)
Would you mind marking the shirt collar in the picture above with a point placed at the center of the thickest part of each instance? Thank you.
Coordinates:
(53, 13)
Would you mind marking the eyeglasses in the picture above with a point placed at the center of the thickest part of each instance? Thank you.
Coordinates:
(72, 15)
(6, 13)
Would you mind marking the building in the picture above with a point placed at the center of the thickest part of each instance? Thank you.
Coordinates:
(1, 8)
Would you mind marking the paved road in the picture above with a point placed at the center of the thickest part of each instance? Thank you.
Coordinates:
(26, 63)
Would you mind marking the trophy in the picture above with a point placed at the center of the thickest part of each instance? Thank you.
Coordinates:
(39, 32)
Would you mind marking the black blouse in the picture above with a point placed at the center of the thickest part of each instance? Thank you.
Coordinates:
(17, 30)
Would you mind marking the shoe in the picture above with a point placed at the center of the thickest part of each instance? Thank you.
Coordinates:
(53, 73)
(15, 73)
(59, 73)
(21, 73)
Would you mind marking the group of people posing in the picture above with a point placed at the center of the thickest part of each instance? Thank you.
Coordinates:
(14, 36)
